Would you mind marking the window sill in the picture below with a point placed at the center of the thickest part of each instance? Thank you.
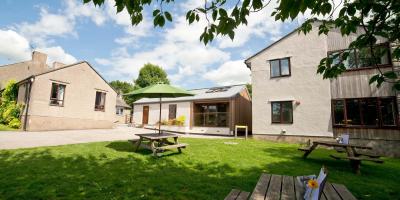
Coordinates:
(281, 122)
(368, 68)
(274, 77)
(56, 105)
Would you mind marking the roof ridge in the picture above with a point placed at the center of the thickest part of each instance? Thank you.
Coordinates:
(218, 86)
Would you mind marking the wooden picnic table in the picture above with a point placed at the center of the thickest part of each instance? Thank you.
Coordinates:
(350, 148)
(353, 155)
(275, 187)
(159, 142)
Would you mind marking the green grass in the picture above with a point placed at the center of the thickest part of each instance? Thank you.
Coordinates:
(207, 169)
(5, 128)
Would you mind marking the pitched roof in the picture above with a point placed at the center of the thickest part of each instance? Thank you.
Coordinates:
(122, 103)
(67, 66)
(222, 92)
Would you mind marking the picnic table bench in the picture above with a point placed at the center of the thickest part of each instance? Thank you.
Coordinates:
(353, 155)
(159, 142)
(282, 187)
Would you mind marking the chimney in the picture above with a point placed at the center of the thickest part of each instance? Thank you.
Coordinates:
(58, 65)
(39, 61)
(38, 57)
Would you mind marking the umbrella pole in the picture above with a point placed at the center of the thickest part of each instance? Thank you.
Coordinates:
(159, 122)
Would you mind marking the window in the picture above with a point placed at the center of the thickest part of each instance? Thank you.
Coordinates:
(120, 111)
(282, 112)
(365, 112)
(100, 101)
(57, 94)
(280, 67)
(172, 111)
(211, 114)
(361, 58)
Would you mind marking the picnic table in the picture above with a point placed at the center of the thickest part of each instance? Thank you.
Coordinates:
(159, 142)
(282, 187)
(351, 150)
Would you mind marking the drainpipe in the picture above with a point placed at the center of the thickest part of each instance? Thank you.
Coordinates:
(27, 100)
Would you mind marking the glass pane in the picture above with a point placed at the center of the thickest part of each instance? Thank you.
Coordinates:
(172, 111)
(98, 98)
(276, 112)
(335, 58)
(350, 61)
(275, 71)
(285, 66)
(338, 112)
(287, 112)
(353, 111)
(370, 112)
(212, 108)
(211, 119)
(222, 120)
(388, 112)
(222, 107)
(199, 119)
(61, 89)
(54, 91)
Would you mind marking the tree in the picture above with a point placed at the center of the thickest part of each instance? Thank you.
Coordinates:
(250, 89)
(378, 18)
(151, 74)
(123, 87)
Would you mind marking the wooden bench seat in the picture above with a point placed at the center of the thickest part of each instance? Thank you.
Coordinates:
(173, 146)
(355, 162)
(237, 195)
(368, 154)
(304, 148)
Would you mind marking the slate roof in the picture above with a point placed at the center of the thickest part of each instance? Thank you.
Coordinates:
(122, 103)
(201, 94)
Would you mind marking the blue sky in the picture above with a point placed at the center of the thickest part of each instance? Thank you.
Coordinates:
(69, 31)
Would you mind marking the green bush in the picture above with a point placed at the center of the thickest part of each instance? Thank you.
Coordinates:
(9, 109)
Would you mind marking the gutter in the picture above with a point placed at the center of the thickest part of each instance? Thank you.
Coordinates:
(27, 100)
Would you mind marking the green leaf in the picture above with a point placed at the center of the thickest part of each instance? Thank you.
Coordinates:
(168, 16)
(156, 12)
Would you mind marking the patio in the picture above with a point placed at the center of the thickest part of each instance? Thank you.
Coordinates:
(207, 169)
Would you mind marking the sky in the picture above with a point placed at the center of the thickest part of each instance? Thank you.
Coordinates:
(70, 31)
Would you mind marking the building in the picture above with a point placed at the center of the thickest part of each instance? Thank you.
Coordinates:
(210, 111)
(122, 112)
(61, 97)
(292, 102)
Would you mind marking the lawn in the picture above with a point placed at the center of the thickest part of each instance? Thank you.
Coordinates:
(5, 128)
(207, 169)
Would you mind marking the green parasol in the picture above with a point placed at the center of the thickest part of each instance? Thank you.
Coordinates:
(159, 91)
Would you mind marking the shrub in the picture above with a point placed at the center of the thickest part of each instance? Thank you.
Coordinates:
(9, 109)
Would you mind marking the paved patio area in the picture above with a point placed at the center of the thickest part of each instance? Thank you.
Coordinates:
(20, 139)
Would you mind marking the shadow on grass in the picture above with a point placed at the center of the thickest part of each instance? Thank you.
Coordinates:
(114, 171)
(41, 175)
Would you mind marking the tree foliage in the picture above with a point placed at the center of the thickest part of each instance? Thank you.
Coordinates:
(377, 18)
(9, 109)
(123, 87)
(151, 74)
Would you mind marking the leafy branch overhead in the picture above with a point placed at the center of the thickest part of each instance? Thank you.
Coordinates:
(376, 19)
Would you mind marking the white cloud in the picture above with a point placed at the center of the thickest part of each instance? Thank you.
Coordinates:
(48, 25)
(56, 53)
(260, 24)
(180, 51)
(78, 9)
(132, 33)
(229, 73)
(14, 47)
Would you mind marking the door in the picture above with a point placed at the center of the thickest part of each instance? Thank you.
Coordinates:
(145, 119)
